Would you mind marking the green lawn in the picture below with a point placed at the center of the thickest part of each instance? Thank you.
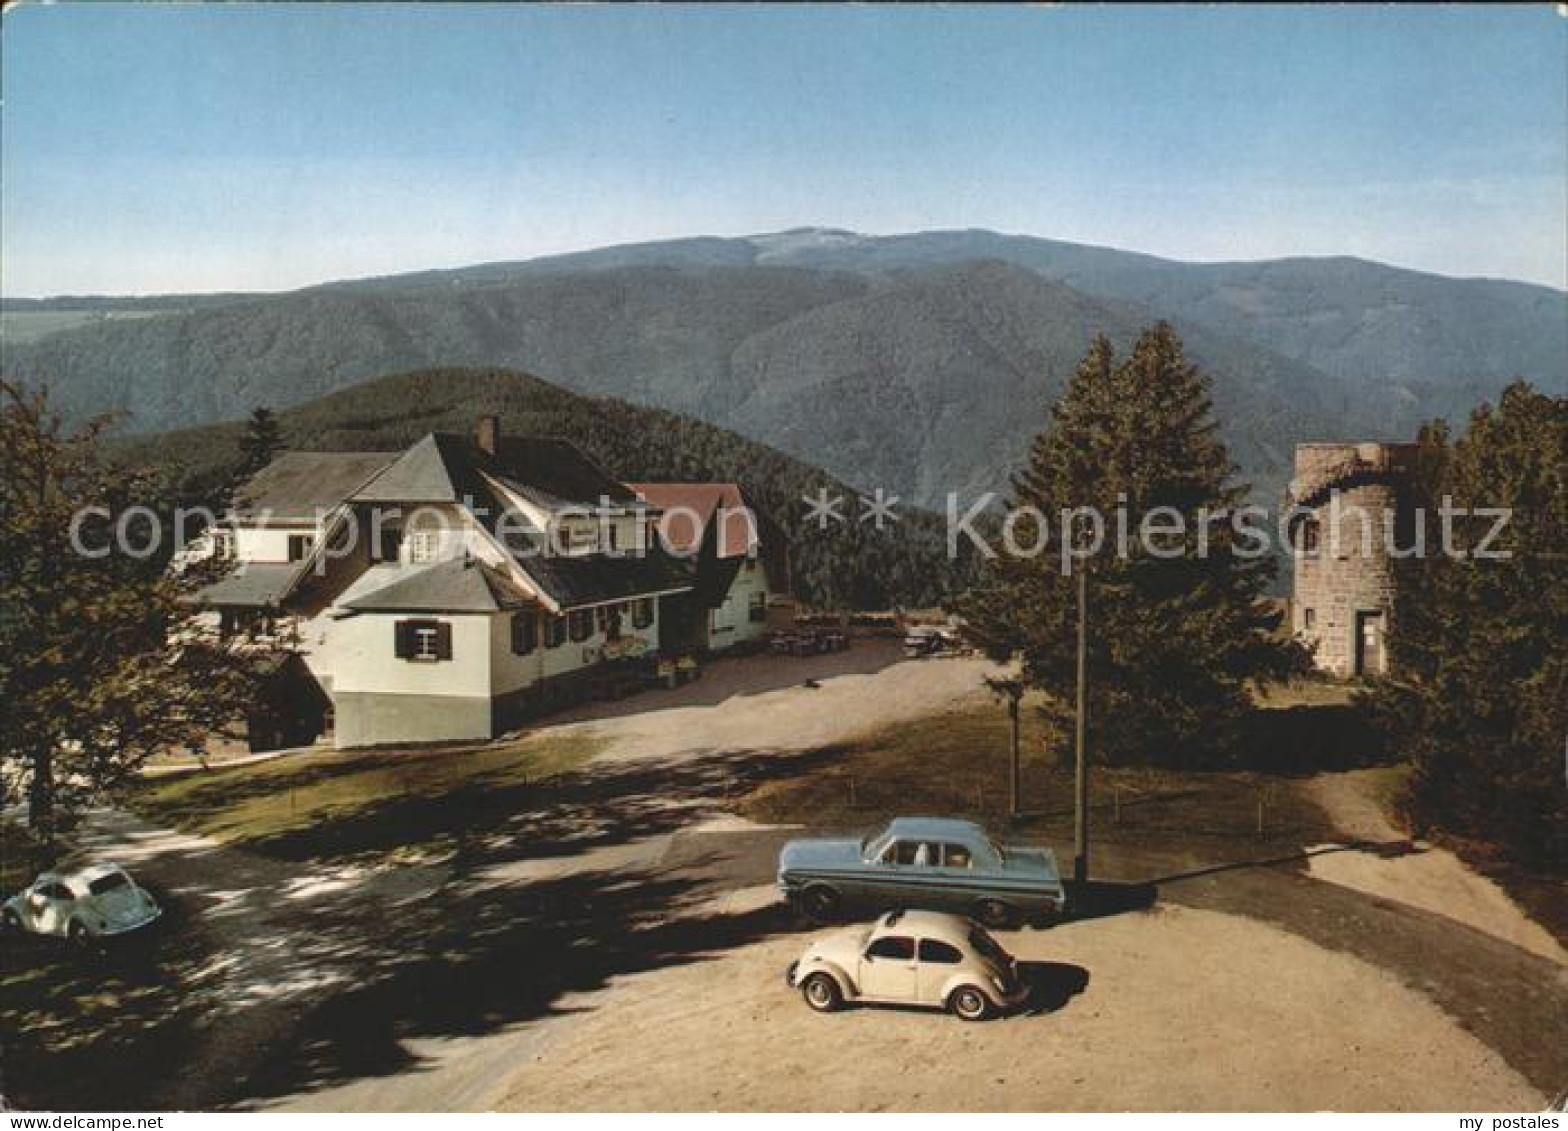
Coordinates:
(403, 804)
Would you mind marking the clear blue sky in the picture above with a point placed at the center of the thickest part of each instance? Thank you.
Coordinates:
(201, 148)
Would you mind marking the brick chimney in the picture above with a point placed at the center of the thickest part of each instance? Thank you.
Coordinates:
(487, 434)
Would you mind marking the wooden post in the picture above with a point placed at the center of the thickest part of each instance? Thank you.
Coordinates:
(852, 803)
(1081, 783)
(1013, 771)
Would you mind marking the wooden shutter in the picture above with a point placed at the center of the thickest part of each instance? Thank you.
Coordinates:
(443, 640)
(403, 639)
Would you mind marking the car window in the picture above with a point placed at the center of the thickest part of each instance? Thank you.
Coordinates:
(917, 853)
(956, 856)
(892, 946)
(55, 891)
(108, 883)
(987, 946)
(934, 950)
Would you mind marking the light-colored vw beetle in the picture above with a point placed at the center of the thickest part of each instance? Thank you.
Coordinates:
(911, 958)
(85, 903)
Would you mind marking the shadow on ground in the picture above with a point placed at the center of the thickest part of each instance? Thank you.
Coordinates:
(1051, 985)
(277, 977)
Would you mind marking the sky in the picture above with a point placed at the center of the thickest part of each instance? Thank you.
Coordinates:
(190, 147)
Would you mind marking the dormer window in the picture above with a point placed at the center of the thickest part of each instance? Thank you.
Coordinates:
(424, 546)
(299, 546)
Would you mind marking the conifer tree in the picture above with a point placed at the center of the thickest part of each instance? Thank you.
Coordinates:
(1178, 624)
(261, 443)
(1477, 695)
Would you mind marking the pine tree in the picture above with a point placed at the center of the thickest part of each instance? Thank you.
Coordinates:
(1477, 697)
(1178, 625)
(261, 443)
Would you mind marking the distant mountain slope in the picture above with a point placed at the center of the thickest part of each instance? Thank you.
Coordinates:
(920, 363)
(936, 381)
(845, 565)
(1348, 317)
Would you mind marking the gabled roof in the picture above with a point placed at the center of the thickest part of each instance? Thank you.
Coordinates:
(691, 508)
(302, 484)
(444, 467)
(436, 469)
(461, 585)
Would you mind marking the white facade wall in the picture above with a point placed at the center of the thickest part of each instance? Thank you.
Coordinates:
(731, 624)
(512, 672)
(268, 543)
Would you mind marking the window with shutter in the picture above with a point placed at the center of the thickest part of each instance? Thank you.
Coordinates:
(403, 639)
(525, 632)
(554, 632)
(580, 624)
(425, 641)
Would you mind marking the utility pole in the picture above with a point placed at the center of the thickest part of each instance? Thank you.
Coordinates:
(1081, 819)
(1012, 778)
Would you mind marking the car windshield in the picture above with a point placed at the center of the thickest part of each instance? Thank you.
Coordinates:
(873, 846)
(109, 883)
(988, 947)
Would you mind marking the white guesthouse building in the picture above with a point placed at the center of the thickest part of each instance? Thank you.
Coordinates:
(447, 591)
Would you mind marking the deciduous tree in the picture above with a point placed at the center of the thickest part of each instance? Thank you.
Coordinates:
(100, 663)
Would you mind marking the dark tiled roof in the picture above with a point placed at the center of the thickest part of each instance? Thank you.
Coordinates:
(555, 468)
(461, 585)
(447, 468)
(251, 585)
(299, 484)
(573, 582)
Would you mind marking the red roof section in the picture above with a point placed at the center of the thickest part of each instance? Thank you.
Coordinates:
(690, 508)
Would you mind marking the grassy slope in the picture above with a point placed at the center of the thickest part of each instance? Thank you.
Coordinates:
(389, 805)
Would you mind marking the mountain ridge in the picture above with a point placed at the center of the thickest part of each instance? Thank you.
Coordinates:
(921, 361)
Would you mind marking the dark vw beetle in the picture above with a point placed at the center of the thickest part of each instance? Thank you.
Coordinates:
(929, 862)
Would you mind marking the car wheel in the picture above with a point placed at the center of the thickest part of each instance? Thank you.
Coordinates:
(10, 921)
(969, 1003)
(77, 932)
(994, 913)
(820, 901)
(822, 993)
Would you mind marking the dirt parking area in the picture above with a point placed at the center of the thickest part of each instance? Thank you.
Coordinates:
(1256, 1018)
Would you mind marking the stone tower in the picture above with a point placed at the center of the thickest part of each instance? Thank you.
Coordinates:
(1349, 510)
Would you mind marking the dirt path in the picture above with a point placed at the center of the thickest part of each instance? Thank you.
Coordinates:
(763, 703)
(1262, 1021)
(1427, 877)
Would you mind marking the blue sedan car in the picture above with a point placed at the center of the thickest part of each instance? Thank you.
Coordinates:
(935, 863)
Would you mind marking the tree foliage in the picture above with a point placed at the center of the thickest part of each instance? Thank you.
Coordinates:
(100, 666)
(1177, 624)
(1477, 696)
